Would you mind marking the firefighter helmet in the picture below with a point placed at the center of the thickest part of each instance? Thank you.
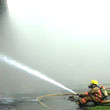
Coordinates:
(94, 82)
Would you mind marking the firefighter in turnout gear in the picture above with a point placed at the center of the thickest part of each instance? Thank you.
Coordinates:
(95, 94)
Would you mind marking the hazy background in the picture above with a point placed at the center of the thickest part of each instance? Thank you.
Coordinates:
(67, 40)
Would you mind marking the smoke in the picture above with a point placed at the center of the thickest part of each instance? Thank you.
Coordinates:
(31, 71)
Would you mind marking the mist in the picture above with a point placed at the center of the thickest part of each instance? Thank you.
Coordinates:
(65, 40)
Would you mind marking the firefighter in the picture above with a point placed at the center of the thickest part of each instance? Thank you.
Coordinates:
(95, 95)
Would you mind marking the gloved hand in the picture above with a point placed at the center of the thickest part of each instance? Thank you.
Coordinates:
(81, 95)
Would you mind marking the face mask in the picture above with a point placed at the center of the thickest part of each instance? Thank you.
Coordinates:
(90, 86)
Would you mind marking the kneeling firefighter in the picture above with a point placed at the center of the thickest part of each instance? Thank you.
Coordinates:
(96, 94)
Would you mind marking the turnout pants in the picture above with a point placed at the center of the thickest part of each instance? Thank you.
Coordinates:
(86, 99)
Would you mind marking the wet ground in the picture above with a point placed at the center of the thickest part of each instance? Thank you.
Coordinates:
(28, 103)
(31, 101)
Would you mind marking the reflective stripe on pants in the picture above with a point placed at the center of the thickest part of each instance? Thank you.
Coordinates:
(83, 100)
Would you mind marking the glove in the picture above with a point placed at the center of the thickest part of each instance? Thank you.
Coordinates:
(81, 95)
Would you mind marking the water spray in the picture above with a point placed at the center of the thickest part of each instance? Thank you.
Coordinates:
(31, 71)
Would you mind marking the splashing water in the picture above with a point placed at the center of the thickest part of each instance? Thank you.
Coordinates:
(31, 71)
